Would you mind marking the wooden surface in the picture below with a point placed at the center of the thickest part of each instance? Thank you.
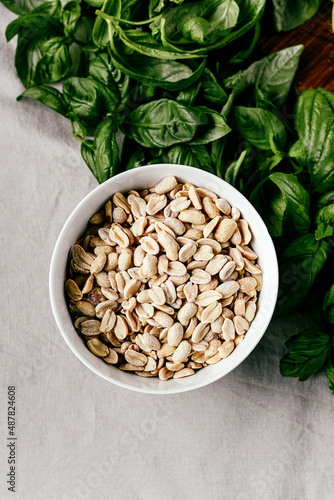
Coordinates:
(316, 68)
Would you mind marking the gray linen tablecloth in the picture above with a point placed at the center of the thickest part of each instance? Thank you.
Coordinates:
(251, 435)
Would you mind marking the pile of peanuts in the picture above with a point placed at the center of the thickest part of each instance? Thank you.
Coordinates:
(163, 282)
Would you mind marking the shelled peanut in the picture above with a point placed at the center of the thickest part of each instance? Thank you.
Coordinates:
(163, 281)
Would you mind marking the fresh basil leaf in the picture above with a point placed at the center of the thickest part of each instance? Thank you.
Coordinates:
(41, 57)
(114, 94)
(55, 62)
(323, 231)
(214, 129)
(329, 299)
(101, 69)
(328, 305)
(314, 123)
(221, 20)
(144, 43)
(276, 208)
(300, 263)
(193, 156)
(325, 200)
(95, 3)
(330, 375)
(307, 353)
(243, 47)
(188, 96)
(288, 15)
(155, 6)
(203, 23)
(80, 128)
(297, 202)
(234, 168)
(48, 96)
(174, 18)
(101, 155)
(71, 16)
(102, 27)
(260, 127)
(212, 93)
(37, 22)
(136, 159)
(170, 75)
(24, 6)
(273, 75)
(325, 221)
(83, 99)
(163, 123)
(196, 29)
(116, 84)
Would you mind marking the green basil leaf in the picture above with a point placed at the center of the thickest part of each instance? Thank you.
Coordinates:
(260, 127)
(324, 216)
(193, 156)
(214, 129)
(116, 84)
(314, 123)
(323, 231)
(273, 75)
(329, 299)
(325, 221)
(101, 156)
(37, 22)
(297, 202)
(233, 169)
(196, 29)
(144, 43)
(298, 152)
(328, 305)
(307, 353)
(288, 15)
(211, 92)
(250, 12)
(325, 199)
(71, 16)
(163, 123)
(221, 20)
(83, 99)
(55, 62)
(101, 70)
(102, 28)
(204, 22)
(137, 158)
(169, 75)
(174, 18)
(21, 7)
(188, 96)
(275, 213)
(48, 96)
(40, 57)
(330, 375)
(300, 263)
(243, 47)
(155, 6)
(95, 3)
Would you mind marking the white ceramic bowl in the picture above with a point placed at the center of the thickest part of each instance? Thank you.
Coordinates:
(142, 178)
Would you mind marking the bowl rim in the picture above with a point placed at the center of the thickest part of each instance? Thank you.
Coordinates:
(54, 302)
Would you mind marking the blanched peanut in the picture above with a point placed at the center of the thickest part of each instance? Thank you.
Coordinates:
(164, 281)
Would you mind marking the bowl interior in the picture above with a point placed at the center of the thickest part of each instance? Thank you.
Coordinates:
(142, 178)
